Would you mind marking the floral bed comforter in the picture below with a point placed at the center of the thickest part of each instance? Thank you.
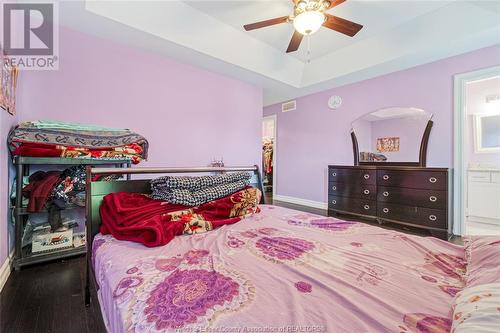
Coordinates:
(281, 271)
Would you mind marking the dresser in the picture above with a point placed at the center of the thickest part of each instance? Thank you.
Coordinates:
(413, 196)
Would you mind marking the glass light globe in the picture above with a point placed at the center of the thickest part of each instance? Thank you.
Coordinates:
(308, 22)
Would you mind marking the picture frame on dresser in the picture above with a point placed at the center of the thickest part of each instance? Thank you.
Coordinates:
(396, 187)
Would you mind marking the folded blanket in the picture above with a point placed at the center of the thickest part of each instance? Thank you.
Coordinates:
(132, 152)
(139, 218)
(49, 124)
(194, 191)
(196, 198)
(65, 135)
(168, 183)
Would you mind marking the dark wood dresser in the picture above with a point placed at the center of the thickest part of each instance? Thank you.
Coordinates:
(413, 196)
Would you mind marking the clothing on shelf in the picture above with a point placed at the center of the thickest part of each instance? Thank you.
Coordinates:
(52, 139)
(39, 189)
(55, 190)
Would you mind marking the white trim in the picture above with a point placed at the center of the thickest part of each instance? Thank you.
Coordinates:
(274, 117)
(302, 202)
(459, 121)
(5, 271)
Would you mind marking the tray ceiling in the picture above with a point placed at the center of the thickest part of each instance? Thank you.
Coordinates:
(209, 34)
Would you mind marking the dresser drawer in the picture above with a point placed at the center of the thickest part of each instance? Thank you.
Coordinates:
(360, 191)
(415, 215)
(352, 205)
(421, 198)
(432, 180)
(352, 176)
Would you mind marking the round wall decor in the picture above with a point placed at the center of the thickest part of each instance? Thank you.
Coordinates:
(334, 102)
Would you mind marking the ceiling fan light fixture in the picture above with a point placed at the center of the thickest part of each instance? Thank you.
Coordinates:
(308, 22)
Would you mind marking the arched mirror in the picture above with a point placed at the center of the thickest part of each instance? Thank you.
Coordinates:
(392, 136)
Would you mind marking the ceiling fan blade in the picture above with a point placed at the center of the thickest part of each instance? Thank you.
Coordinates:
(342, 25)
(334, 3)
(295, 42)
(266, 23)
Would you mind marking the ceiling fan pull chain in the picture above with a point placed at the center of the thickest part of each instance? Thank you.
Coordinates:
(308, 37)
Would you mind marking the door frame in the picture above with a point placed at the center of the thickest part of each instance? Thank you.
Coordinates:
(459, 128)
(275, 139)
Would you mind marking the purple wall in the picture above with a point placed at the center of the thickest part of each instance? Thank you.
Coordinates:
(314, 136)
(189, 115)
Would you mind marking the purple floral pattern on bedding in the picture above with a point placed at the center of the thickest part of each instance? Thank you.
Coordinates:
(424, 323)
(179, 291)
(303, 287)
(127, 283)
(195, 256)
(186, 295)
(284, 248)
(371, 274)
(326, 224)
(234, 242)
(347, 269)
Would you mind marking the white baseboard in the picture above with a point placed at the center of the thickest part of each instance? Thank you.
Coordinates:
(5, 271)
(299, 201)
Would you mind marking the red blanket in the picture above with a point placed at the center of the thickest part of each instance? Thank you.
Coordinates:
(138, 218)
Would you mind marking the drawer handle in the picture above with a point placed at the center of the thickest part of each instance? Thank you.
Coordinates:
(385, 177)
(366, 176)
(385, 194)
(433, 179)
(334, 202)
(366, 207)
(432, 217)
(334, 174)
(334, 188)
(433, 198)
(366, 191)
(385, 210)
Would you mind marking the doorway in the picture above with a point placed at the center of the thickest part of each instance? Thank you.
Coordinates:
(269, 126)
(477, 153)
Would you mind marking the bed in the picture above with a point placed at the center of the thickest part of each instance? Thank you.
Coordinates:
(280, 270)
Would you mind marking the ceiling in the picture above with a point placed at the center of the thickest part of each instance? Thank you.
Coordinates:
(209, 34)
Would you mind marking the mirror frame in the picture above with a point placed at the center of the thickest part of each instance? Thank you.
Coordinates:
(422, 156)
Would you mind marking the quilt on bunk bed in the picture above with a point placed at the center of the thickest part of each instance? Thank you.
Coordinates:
(280, 271)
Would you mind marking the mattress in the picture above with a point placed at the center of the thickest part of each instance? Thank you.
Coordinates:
(280, 271)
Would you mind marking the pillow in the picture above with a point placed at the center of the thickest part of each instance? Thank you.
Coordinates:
(483, 260)
(477, 309)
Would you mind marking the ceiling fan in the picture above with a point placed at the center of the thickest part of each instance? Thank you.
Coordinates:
(308, 16)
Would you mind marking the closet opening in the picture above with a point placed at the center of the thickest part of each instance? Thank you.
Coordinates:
(269, 157)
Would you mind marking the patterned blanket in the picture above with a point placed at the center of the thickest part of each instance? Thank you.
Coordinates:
(139, 218)
(195, 191)
(28, 139)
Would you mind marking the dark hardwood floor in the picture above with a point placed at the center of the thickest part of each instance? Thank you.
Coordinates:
(49, 297)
